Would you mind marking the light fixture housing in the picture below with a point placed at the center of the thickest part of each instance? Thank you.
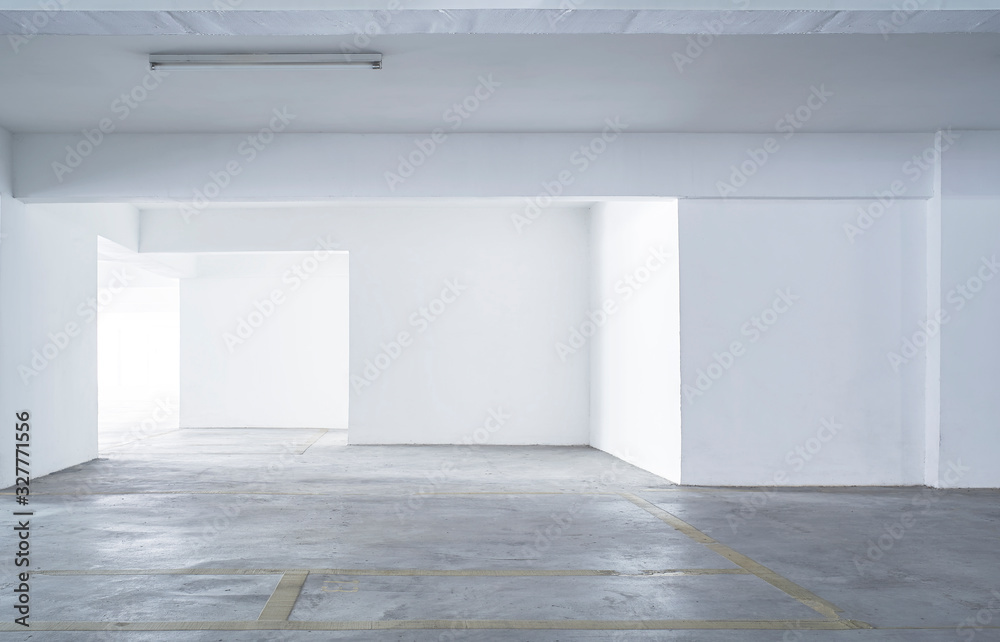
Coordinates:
(266, 61)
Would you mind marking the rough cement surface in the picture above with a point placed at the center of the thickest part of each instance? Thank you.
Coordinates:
(227, 510)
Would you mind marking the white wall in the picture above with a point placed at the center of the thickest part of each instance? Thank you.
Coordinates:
(970, 341)
(635, 356)
(48, 277)
(6, 162)
(491, 349)
(262, 346)
(823, 359)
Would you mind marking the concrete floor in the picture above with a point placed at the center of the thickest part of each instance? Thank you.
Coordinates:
(249, 534)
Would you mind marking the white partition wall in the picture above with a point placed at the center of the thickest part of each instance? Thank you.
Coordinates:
(634, 349)
(786, 328)
(455, 314)
(970, 297)
(49, 294)
(264, 341)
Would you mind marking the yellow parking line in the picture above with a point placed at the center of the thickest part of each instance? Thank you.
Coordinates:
(279, 606)
(784, 584)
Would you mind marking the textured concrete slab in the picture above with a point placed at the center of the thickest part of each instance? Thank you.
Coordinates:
(565, 531)
(407, 537)
(791, 635)
(223, 441)
(133, 598)
(702, 597)
(891, 557)
(519, 636)
(331, 468)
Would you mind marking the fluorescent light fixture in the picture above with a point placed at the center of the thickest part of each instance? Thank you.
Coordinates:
(266, 61)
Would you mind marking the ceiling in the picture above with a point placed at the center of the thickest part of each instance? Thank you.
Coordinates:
(545, 83)
(733, 17)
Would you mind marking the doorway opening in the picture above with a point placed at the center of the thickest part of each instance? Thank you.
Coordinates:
(214, 353)
(138, 331)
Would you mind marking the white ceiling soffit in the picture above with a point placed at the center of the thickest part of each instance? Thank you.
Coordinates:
(494, 21)
(167, 265)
